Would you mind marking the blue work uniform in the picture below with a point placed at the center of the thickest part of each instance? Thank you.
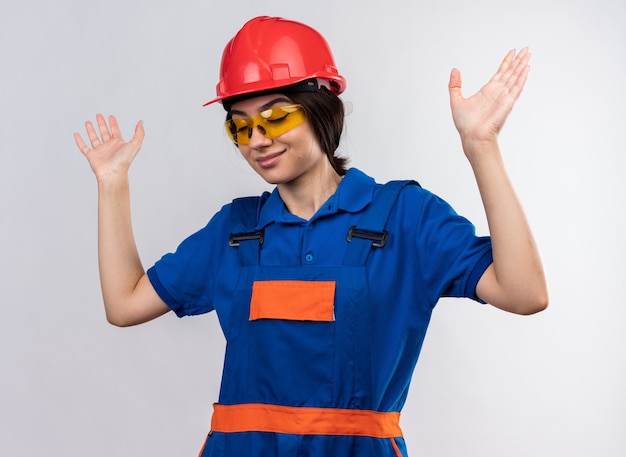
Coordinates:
(347, 337)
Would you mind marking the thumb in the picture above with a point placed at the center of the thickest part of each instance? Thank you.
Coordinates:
(454, 86)
(138, 135)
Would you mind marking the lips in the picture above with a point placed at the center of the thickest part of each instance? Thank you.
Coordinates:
(268, 160)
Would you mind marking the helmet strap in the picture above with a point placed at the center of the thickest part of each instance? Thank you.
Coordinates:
(308, 85)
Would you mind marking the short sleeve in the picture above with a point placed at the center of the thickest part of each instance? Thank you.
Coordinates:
(185, 278)
(452, 256)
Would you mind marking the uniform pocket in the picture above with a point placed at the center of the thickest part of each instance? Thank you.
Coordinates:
(292, 342)
(293, 300)
(396, 448)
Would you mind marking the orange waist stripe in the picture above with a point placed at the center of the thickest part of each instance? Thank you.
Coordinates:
(304, 420)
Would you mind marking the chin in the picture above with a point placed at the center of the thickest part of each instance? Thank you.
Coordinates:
(276, 174)
(271, 177)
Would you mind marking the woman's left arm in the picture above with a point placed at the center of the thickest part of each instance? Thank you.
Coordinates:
(515, 281)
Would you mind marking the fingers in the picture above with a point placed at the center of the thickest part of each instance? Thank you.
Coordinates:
(81, 144)
(504, 66)
(512, 73)
(519, 80)
(517, 66)
(520, 63)
(103, 133)
(518, 73)
(512, 65)
(91, 134)
(115, 128)
(103, 127)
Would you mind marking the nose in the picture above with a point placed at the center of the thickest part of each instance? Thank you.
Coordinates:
(258, 138)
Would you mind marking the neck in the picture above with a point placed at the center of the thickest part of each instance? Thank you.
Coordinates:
(304, 198)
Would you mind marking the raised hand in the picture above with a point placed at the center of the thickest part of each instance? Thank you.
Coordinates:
(515, 280)
(481, 116)
(109, 154)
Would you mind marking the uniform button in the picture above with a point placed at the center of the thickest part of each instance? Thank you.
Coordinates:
(310, 226)
(308, 257)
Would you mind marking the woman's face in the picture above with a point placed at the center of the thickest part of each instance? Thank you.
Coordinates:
(290, 158)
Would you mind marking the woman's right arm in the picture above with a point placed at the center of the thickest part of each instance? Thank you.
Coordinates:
(129, 297)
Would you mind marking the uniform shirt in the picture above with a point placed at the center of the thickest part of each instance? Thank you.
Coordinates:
(431, 252)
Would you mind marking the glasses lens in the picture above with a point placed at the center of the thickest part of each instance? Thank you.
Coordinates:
(239, 129)
(272, 122)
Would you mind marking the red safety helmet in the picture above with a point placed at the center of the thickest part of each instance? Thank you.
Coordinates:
(272, 52)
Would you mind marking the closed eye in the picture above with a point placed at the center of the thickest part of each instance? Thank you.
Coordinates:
(277, 120)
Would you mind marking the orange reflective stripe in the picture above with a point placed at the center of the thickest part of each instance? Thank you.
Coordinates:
(304, 421)
(203, 446)
(293, 300)
(396, 448)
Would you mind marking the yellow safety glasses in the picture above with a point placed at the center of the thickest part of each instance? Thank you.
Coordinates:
(272, 123)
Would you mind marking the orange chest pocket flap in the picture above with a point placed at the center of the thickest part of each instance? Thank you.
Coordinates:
(293, 300)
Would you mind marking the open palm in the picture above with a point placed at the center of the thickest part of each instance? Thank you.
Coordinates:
(481, 116)
(109, 154)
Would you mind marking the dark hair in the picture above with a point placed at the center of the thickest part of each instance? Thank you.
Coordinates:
(325, 113)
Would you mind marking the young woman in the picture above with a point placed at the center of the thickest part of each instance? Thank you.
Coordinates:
(324, 288)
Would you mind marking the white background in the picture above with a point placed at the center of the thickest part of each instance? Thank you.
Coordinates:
(488, 383)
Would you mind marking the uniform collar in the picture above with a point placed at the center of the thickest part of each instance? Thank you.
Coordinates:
(354, 193)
